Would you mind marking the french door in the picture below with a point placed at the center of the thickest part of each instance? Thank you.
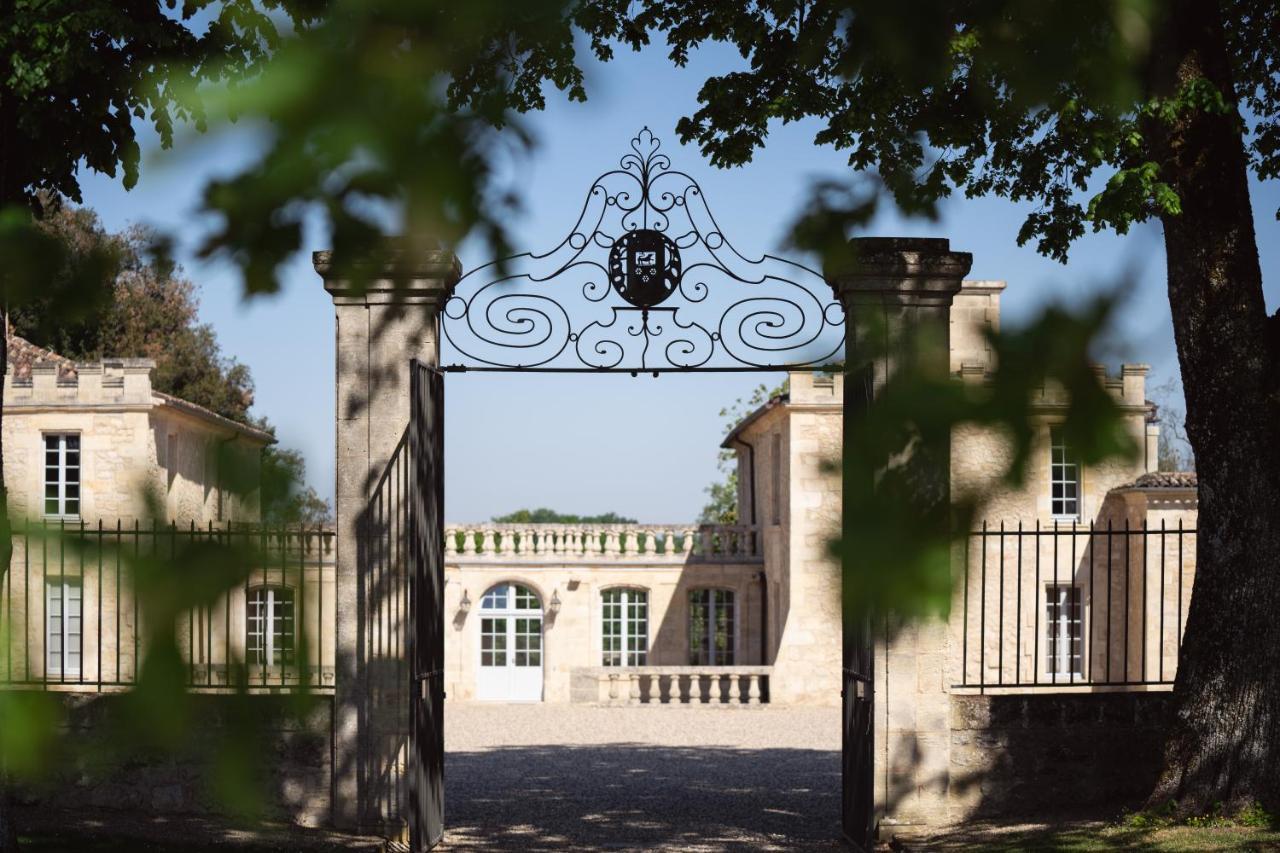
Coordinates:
(510, 645)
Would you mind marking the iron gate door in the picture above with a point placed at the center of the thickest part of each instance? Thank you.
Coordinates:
(857, 736)
(857, 732)
(425, 622)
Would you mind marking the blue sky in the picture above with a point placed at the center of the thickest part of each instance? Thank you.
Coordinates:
(639, 446)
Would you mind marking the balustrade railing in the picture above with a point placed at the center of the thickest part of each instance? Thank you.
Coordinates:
(683, 685)
(675, 543)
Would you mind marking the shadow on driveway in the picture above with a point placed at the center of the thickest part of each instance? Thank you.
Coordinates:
(632, 796)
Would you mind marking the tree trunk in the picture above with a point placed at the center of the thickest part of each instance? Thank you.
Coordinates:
(1223, 743)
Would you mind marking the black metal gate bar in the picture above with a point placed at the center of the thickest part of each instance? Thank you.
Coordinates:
(425, 617)
(857, 737)
(857, 685)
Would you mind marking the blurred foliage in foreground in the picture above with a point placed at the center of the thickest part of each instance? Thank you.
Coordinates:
(381, 115)
(171, 578)
(899, 531)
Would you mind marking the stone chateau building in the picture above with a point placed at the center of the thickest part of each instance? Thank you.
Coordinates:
(93, 450)
(87, 441)
(1075, 588)
(671, 612)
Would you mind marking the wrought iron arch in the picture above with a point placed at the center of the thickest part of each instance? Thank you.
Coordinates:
(646, 282)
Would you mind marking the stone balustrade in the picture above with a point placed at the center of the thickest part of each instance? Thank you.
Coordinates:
(596, 542)
(727, 686)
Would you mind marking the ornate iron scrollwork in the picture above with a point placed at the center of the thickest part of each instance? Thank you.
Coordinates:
(645, 282)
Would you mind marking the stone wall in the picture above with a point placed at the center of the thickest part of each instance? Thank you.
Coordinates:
(292, 741)
(202, 473)
(945, 759)
(809, 654)
(1036, 755)
(979, 456)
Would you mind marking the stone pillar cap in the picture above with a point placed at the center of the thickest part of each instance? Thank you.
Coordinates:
(417, 263)
(409, 268)
(909, 270)
(903, 256)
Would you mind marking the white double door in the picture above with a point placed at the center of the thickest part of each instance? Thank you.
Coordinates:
(510, 645)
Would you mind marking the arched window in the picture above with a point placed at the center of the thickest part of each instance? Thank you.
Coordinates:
(511, 620)
(624, 627)
(269, 630)
(712, 627)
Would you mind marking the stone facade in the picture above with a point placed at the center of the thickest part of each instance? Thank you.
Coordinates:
(786, 486)
(135, 442)
(572, 638)
(1024, 739)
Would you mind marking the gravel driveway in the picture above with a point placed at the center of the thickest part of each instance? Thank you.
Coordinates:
(568, 777)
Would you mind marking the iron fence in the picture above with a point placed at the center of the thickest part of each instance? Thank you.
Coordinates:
(1074, 605)
(74, 614)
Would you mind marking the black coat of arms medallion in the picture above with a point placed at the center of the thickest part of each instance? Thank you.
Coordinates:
(644, 267)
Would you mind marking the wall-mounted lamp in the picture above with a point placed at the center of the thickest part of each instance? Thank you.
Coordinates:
(554, 606)
(465, 604)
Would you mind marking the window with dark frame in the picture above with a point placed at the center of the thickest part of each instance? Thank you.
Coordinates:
(1064, 624)
(64, 626)
(62, 475)
(712, 628)
(269, 637)
(1064, 477)
(624, 627)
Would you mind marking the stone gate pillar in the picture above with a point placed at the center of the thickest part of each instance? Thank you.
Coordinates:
(382, 323)
(898, 293)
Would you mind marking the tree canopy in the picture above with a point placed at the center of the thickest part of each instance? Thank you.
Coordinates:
(147, 308)
(82, 80)
(544, 515)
